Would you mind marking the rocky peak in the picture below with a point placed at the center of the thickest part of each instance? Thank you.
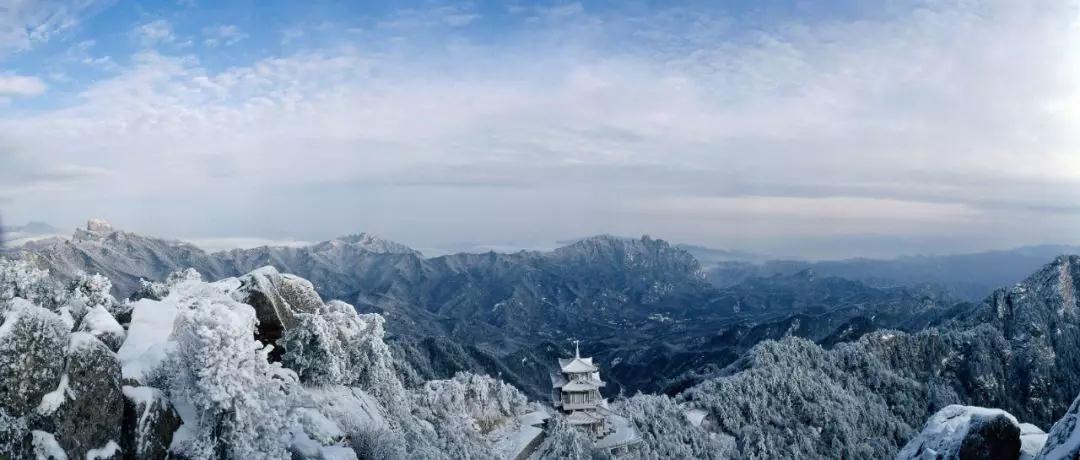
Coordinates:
(99, 226)
(369, 243)
(1041, 303)
(96, 229)
(644, 253)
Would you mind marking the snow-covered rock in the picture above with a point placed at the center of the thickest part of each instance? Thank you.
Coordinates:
(1063, 441)
(101, 324)
(351, 409)
(85, 410)
(149, 334)
(969, 432)
(277, 299)
(32, 344)
(149, 423)
(46, 448)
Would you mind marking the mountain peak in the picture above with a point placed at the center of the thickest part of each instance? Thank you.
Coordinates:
(96, 230)
(370, 243)
(99, 226)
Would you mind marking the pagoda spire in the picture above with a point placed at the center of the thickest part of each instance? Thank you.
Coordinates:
(577, 350)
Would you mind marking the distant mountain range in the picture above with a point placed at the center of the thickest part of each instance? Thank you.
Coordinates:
(642, 306)
(966, 276)
(790, 360)
(14, 235)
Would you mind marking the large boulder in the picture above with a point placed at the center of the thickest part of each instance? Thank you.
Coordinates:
(32, 343)
(149, 423)
(101, 324)
(970, 433)
(85, 411)
(1063, 442)
(277, 299)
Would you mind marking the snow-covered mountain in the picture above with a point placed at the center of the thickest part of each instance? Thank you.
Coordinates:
(799, 366)
(1016, 351)
(123, 257)
(511, 314)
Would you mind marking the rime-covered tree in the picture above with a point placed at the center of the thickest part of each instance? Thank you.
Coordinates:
(566, 442)
(313, 349)
(20, 279)
(241, 399)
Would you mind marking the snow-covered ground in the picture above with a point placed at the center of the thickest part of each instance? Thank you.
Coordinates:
(516, 440)
(624, 434)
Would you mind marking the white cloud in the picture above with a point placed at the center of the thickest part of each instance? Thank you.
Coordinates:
(946, 119)
(448, 15)
(25, 23)
(18, 85)
(155, 32)
(222, 35)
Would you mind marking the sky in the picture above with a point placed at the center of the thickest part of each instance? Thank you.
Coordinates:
(796, 128)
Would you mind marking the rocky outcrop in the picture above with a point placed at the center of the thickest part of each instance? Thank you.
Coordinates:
(1039, 319)
(969, 433)
(149, 423)
(32, 343)
(101, 324)
(82, 413)
(1063, 442)
(277, 299)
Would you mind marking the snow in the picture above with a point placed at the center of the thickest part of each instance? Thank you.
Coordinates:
(351, 409)
(513, 440)
(512, 443)
(577, 365)
(46, 447)
(695, 416)
(304, 447)
(337, 453)
(18, 308)
(52, 400)
(1064, 436)
(80, 340)
(109, 451)
(144, 396)
(190, 428)
(99, 321)
(148, 338)
(1032, 440)
(625, 433)
(317, 425)
(534, 418)
(946, 429)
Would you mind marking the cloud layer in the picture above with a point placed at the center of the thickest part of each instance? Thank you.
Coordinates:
(946, 122)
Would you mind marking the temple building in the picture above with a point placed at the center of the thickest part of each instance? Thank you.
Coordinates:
(576, 392)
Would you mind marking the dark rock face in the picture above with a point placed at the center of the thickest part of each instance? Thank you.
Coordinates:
(149, 423)
(991, 437)
(85, 411)
(32, 343)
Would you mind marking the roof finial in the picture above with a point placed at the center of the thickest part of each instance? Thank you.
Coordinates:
(577, 351)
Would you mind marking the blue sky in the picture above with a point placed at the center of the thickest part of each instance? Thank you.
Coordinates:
(788, 127)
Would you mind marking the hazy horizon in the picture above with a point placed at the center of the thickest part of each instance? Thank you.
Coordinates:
(827, 130)
(853, 249)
